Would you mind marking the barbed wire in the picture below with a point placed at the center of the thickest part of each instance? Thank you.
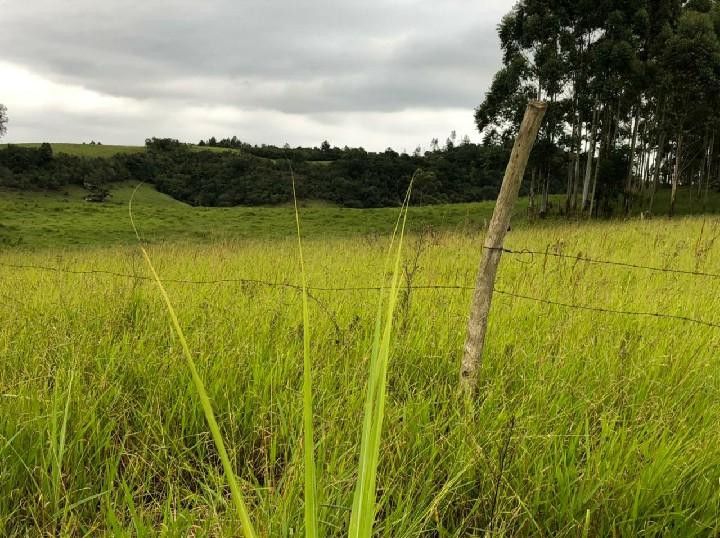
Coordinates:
(610, 310)
(586, 259)
(517, 252)
(288, 285)
(260, 282)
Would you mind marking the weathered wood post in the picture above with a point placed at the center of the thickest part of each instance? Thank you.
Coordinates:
(492, 250)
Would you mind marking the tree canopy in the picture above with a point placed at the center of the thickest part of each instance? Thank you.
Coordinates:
(259, 175)
(633, 89)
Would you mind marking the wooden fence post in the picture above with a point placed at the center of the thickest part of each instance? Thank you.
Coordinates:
(492, 250)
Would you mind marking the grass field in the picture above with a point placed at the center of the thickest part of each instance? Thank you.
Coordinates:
(32, 220)
(86, 150)
(102, 150)
(586, 423)
(41, 220)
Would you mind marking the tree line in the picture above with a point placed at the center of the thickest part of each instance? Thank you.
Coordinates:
(633, 88)
(259, 175)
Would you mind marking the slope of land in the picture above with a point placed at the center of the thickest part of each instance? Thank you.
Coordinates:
(101, 150)
(61, 219)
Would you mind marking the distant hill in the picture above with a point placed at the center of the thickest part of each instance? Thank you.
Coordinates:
(61, 218)
(100, 150)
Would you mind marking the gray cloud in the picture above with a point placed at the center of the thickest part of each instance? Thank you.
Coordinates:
(298, 58)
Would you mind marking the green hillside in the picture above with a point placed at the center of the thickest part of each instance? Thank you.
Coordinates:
(60, 219)
(42, 219)
(101, 150)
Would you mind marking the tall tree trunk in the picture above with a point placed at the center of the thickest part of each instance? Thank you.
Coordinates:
(708, 172)
(658, 157)
(539, 89)
(629, 178)
(703, 166)
(588, 164)
(576, 168)
(649, 168)
(656, 174)
(531, 207)
(568, 190)
(614, 126)
(607, 126)
(639, 184)
(603, 144)
(676, 173)
(594, 188)
(544, 202)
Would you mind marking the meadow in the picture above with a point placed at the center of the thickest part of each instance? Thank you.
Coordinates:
(585, 424)
(32, 220)
(101, 150)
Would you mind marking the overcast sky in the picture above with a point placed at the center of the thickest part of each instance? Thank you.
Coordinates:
(374, 73)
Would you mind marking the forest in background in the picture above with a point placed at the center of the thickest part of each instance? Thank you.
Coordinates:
(633, 88)
(260, 175)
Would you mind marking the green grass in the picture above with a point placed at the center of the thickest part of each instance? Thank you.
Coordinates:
(86, 150)
(310, 499)
(32, 220)
(102, 150)
(59, 220)
(364, 510)
(228, 470)
(585, 424)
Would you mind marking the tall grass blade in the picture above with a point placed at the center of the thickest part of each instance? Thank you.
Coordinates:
(311, 514)
(58, 443)
(235, 492)
(364, 501)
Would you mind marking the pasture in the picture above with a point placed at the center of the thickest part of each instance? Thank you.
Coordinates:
(102, 150)
(32, 220)
(586, 422)
(86, 150)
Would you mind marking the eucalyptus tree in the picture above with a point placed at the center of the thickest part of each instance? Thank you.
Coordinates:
(691, 82)
(532, 68)
(630, 83)
(577, 56)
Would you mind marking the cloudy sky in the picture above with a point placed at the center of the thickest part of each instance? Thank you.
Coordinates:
(375, 73)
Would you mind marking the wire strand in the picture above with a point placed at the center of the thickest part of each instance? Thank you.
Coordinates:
(296, 287)
(605, 262)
